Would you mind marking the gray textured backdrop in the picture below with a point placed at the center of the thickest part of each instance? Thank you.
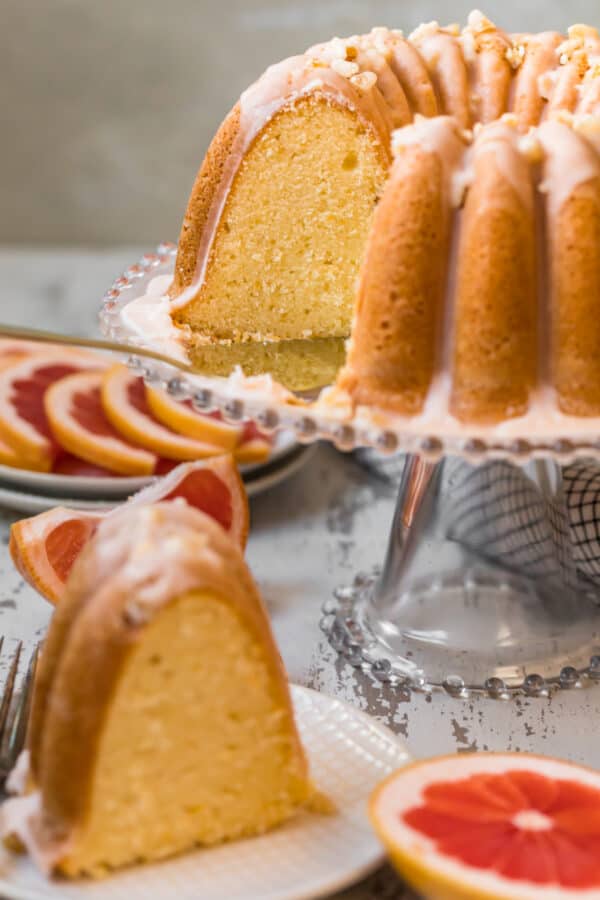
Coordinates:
(108, 105)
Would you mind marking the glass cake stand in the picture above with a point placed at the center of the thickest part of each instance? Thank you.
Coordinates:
(486, 587)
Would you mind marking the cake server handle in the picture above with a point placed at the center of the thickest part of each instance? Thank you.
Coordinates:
(74, 340)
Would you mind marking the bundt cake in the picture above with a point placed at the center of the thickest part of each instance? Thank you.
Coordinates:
(161, 716)
(462, 169)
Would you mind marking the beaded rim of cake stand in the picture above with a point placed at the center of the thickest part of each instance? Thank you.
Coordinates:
(361, 650)
(237, 399)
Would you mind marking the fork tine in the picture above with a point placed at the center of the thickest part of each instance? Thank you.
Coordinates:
(9, 687)
(18, 730)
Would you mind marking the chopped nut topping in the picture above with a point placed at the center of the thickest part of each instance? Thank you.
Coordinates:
(428, 29)
(345, 68)
(364, 81)
(337, 48)
(546, 84)
(582, 33)
(531, 147)
(479, 24)
(515, 55)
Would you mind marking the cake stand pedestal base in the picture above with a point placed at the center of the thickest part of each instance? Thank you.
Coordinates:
(479, 591)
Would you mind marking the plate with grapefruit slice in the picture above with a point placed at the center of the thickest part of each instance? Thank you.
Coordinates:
(76, 424)
(493, 826)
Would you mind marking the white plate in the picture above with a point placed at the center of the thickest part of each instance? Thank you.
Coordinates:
(312, 856)
(260, 479)
(48, 483)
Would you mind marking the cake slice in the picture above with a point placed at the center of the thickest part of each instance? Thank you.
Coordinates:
(161, 716)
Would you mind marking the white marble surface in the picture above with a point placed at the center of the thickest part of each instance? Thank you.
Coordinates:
(308, 535)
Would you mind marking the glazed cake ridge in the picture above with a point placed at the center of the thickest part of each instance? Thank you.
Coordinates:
(524, 105)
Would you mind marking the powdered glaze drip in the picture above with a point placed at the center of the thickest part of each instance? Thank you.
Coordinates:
(530, 85)
(487, 52)
(443, 56)
(501, 139)
(443, 137)
(569, 161)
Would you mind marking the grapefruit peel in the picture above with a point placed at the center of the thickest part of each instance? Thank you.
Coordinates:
(75, 414)
(23, 386)
(493, 826)
(126, 407)
(44, 547)
(184, 419)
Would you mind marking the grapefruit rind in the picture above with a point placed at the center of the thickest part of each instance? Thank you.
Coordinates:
(29, 537)
(226, 471)
(257, 450)
(140, 427)
(108, 451)
(34, 448)
(190, 423)
(11, 457)
(438, 876)
(28, 547)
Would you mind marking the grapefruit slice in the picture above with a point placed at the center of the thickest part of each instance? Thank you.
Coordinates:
(126, 407)
(76, 417)
(44, 547)
(23, 422)
(254, 446)
(213, 486)
(181, 417)
(12, 350)
(493, 826)
(11, 457)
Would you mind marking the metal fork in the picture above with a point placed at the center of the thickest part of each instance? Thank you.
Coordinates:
(14, 709)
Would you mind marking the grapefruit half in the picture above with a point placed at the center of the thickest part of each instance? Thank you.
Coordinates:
(44, 547)
(493, 826)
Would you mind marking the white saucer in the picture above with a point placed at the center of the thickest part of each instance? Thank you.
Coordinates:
(312, 856)
(257, 479)
(50, 484)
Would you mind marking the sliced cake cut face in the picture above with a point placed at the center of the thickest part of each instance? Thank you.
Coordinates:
(285, 252)
(162, 718)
